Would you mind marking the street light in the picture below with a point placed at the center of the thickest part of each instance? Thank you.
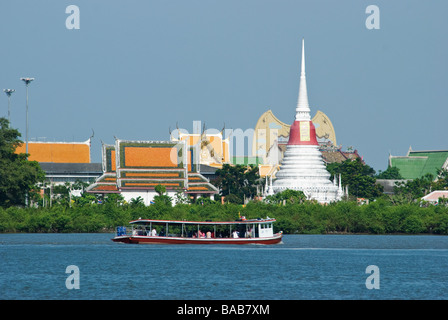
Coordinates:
(27, 82)
(9, 93)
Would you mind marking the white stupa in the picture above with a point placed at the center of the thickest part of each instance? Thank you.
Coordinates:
(302, 167)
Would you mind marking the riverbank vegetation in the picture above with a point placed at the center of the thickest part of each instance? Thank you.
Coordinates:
(378, 217)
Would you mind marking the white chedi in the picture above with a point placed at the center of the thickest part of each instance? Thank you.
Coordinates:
(302, 167)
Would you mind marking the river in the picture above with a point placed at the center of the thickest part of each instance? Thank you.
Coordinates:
(303, 267)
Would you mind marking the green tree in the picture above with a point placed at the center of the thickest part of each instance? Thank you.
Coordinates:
(160, 189)
(359, 177)
(391, 173)
(288, 196)
(86, 199)
(442, 180)
(18, 176)
(162, 198)
(233, 198)
(413, 224)
(415, 188)
(137, 202)
(239, 180)
(115, 199)
(180, 197)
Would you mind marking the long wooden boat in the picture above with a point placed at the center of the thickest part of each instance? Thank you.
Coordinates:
(148, 231)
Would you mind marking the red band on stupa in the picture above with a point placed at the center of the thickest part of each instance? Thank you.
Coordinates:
(306, 137)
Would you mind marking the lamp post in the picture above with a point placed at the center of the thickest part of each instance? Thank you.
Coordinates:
(9, 93)
(27, 82)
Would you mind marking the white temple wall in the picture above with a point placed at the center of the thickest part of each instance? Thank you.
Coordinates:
(147, 196)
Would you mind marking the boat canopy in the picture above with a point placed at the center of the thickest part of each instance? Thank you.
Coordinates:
(256, 231)
(240, 222)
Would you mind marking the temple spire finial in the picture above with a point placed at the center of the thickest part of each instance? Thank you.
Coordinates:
(303, 108)
(302, 73)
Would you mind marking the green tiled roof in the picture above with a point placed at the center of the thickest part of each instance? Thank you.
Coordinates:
(418, 163)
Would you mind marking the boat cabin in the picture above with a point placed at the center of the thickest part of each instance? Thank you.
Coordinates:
(194, 229)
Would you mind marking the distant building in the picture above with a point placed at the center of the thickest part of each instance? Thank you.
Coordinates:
(271, 137)
(57, 152)
(134, 168)
(434, 196)
(389, 185)
(302, 167)
(271, 134)
(213, 149)
(63, 161)
(337, 155)
(60, 173)
(418, 163)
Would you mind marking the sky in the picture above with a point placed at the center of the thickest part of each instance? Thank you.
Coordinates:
(135, 69)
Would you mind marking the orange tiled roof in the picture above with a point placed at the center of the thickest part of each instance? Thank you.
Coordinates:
(60, 152)
(197, 183)
(151, 174)
(105, 187)
(148, 157)
(107, 183)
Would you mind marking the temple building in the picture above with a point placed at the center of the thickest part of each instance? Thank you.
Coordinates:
(271, 137)
(63, 161)
(57, 152)
(302, 167)
(212, 148)
(418, 163)
(134, 168)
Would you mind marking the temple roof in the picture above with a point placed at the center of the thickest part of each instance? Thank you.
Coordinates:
(418, 163)
(107, 183)
(197, 183)
(142, 165)
(52, 167)
(59, 152)
(330, 156)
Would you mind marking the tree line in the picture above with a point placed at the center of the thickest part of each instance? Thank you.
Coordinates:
(292, 215)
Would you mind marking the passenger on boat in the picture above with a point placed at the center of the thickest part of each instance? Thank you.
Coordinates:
(235, 234)
(209, 234)
(154, 232)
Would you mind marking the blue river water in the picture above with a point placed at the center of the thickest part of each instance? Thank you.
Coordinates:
(303, 267)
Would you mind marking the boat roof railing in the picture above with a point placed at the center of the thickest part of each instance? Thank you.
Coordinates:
(249, 221)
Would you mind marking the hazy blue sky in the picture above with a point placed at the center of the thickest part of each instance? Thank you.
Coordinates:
(135, 68)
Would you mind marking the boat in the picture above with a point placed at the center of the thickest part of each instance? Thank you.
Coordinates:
(242, 231)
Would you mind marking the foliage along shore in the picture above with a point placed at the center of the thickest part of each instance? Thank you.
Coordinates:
(348, 217)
